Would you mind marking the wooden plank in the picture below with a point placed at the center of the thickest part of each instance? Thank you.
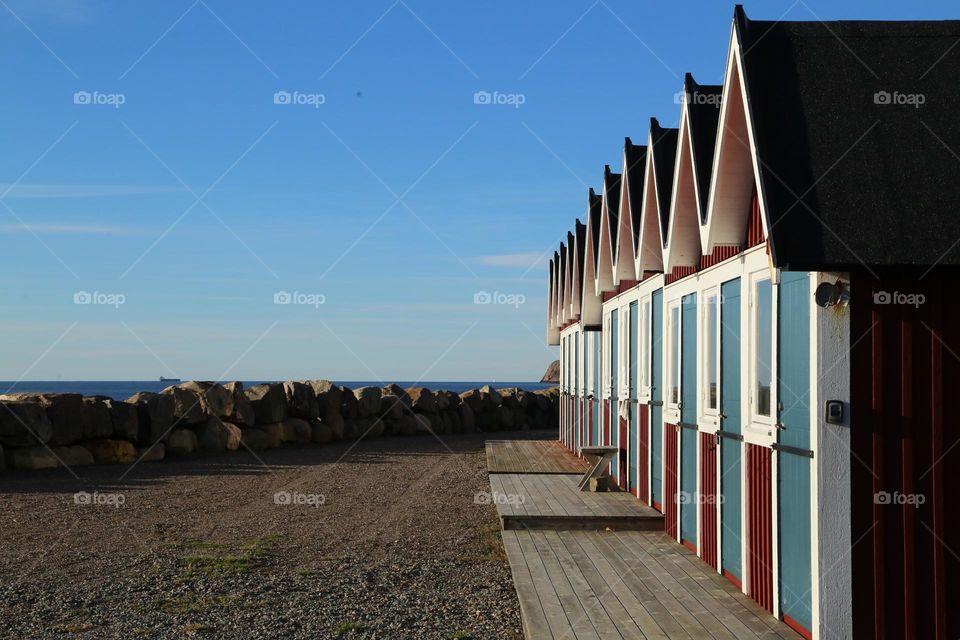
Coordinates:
(596, 611)
(562, 608)
(532, 614)
(633, 619)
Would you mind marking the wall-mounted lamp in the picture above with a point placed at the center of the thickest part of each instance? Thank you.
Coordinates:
(831, 295)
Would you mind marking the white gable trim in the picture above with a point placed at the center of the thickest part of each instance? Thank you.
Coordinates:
(683, 234)
(735, 158)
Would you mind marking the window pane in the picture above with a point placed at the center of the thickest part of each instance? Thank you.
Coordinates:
(764, 362)
(675, 355)
(711, 339)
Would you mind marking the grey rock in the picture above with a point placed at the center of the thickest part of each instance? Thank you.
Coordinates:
(182, 442)
(269, 403)
(23, 424)
(301, 400)
(368, 401)
(217, 436)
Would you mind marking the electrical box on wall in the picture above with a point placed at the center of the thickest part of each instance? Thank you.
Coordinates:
(833, 413)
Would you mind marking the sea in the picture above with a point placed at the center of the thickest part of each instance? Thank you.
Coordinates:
(123, 389)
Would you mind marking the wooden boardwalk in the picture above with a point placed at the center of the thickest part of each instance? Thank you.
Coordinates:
(542, 501)
(609, 585)
(532, 456)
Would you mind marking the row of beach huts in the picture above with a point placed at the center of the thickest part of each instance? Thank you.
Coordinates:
(761, 312)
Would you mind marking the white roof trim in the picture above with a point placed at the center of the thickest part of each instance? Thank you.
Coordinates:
(683, 234)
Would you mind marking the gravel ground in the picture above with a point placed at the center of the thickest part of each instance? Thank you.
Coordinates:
(398, 549)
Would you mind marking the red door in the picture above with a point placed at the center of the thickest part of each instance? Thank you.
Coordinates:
(708, 498)
(670, 479)
(759, 526)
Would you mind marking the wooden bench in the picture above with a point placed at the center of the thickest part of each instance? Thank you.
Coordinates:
(599, 458)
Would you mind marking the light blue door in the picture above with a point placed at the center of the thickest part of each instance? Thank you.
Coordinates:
(730, 445)
(633, 373)
(688, 419)
(656, 398)
(793, 460)
(595, 431)
(614, 418)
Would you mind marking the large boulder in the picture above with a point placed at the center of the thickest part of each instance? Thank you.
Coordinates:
(391, 407)
(295, 430)
(187, 404)
(320, 432)
(215, 399)
(97, 422)
(396, 390)
(505, 418)
(349, 405)
(422, 424)
(468, 422)
(182, 442)
(254, 439)
(274, 433)
(155, 416)
(153, 453)
(370, 427)
(31, 458)
(337, 426)
(216, 436)
(73, 456)
(242, 409)
(125, 420)
(368, 400)
(329, 398)
(473, 399)
(422, 400)
(109, 451)
(269, 402)
(301, 400)
(23, 424)
(65, 411)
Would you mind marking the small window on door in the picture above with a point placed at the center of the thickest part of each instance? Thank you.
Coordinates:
(711, 371)
(675, 355)
(763, 361)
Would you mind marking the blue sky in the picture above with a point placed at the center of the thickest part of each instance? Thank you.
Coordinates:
(394, 202)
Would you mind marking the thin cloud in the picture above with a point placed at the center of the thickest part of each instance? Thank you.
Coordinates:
(516, 260)
(72, 229)
(44, 191)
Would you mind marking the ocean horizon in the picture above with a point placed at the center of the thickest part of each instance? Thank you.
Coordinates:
(123, 389)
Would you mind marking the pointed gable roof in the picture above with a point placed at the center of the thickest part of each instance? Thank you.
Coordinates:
(609, 226)
(699, 114)
(853, 167)
(702, 104)
(591, 306)
(635, 168)
(663, 141)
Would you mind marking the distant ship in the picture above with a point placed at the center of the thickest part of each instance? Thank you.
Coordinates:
(162, 379)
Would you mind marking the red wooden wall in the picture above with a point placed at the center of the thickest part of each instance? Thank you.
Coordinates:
(670, 479)
(643, 453)
(759, 559)
(905, 457)
(708, 498)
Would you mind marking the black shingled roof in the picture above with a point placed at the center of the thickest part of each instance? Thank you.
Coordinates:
(636, 170)
(581, 231)
(611, 184)
(594, 209)
(703, 102)
(664, 156)
(878, 182)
